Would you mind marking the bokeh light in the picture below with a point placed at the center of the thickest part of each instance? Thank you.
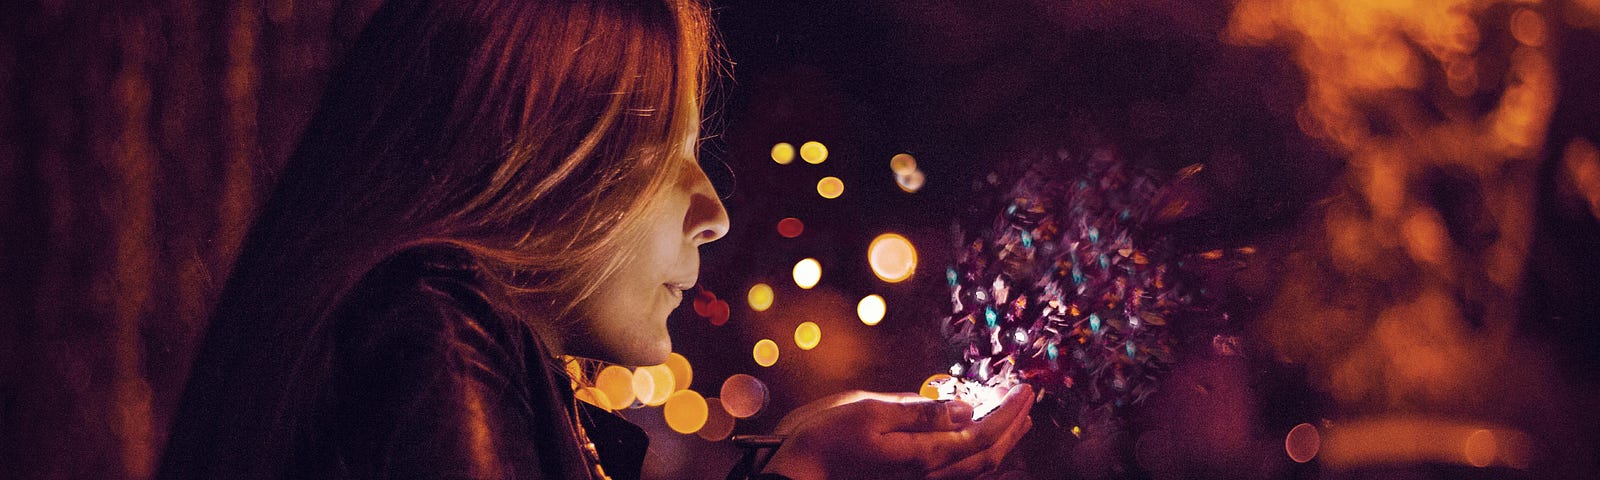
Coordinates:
(765, 352)
(807, 335)
(719, 311)
(807, 273)
(791, 227)
(910, 182)
(871, 309)
(594, 396)
(743, 396)
(928, 390)
(719, 424)
(814, 152)
(1481, 448)
(783, 153)
(1302, 443)
(617, 384)
(685, 412)
(892, 257)
(682, 372)
(760, 297)
(653, 384)
(830, 187)
(903, 164)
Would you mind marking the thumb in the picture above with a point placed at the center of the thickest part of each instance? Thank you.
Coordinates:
(922, 415)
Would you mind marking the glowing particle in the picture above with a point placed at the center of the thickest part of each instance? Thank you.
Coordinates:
(718, 311)
(719, 424)
(1094, 323)
(685, 412)
(765, 353)
(653, 384)
(830, 187)
(791, 227)
(760, 297)
(594, 396)
(1302, 443)
(903, 163)
(743, 395)
(892, 257)
(807, 273)
(1021, 336)
(682, 372)
(783, 153)
(813, 152)
(1077, 431)
(1481, 448)
(910, 182)
(617, 384)
(871, 309)
(928, 390)
(807, 335)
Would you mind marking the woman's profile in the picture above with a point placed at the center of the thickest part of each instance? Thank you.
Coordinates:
(488, 185)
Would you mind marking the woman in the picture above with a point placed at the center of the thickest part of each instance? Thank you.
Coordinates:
(487, 185)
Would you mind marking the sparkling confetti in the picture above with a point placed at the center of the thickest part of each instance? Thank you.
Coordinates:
(1070, 293)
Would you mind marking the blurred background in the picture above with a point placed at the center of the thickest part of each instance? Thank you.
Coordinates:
(1417, 184)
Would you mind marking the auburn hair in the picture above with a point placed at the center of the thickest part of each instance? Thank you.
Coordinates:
(532, 133)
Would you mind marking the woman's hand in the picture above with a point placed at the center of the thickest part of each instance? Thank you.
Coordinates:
(868, 435)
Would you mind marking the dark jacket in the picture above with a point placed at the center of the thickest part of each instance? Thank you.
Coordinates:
(430, 378)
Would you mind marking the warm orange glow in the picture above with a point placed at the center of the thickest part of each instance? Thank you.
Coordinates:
(1583, 170)
(617, 384)
(685, 412)
(791, 227)
(743, 395)
(1302, 443)
(783, 153)
(1480, 448)
(1418, 440)
(929, 391)
(760, 297)
(910, 182)
(807, 273)
(871, 309)
(830, 187)
(807, 335)
(765, 353)
(813, 152)
(892, 257)
(682, 372)
(653, 384)
(903, 164)
(1528, 28)
(594, 396)
(719, 424)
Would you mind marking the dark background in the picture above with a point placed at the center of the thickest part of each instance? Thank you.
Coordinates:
(138, 137)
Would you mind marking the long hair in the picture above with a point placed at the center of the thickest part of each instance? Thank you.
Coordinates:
(531, 133)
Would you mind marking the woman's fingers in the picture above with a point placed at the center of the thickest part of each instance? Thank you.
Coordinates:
(990, 458)
(919, 415)
(934, 450)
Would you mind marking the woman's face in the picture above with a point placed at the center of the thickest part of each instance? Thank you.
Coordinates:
(625, 320)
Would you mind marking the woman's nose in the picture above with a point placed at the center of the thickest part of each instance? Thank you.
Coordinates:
(706, 220)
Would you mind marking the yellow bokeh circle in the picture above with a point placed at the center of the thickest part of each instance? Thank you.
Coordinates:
(685, 411)
(813, 152)
(783, 153)
(871, 309)
(765, 353)
(807, 335)
(807, 273)
(760, 297)
(830, 187)
(892, 257)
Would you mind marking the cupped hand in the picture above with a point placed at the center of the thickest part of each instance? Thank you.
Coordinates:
(873, 435)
